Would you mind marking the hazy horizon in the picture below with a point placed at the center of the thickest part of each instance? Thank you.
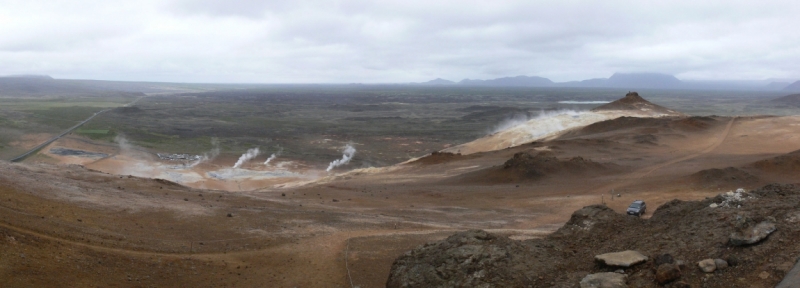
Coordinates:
(299, 42)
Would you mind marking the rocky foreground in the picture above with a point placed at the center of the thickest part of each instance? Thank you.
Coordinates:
(737, 239)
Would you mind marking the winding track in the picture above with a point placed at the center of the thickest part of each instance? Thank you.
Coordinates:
(650, 169)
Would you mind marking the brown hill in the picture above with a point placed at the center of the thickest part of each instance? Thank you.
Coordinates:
(645, 130)
(437, 157)
(784, 164)
(527, 166)
(729, 177)
(632, 101)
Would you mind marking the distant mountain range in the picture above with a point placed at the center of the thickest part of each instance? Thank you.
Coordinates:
(793, 87)
(44, 85)
(625, 80)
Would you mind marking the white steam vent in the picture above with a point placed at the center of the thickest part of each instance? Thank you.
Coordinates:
(271, 157)
(546, 122)
(347, 154)
(208, 156)
(250, 154)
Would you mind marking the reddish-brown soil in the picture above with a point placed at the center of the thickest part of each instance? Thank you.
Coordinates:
(88, 228)
(728, 178)
(784, 164)
(533, 166)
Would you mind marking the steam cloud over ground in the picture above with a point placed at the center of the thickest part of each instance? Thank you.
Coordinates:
(348, 153)
(547, 121)
(210, 155)
(271, 157)
(250, 154)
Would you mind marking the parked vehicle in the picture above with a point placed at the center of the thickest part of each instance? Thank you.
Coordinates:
(637, 208)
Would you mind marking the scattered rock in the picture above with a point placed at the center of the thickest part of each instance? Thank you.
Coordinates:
(626, 258)
(472, 258)
(230, 215)
(605, 280)
(335, 200)
(713, 205)
(681, 264)
(721, 264)
(283, 194)
(753, 235)
(681, 284)
(763, 275)
(667, 272)
(707, 265)
(664, 259)
(732, 260)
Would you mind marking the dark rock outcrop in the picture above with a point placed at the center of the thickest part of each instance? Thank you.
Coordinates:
(753, 234)
(667, 272)
(473, 258)
(632, 101)
(687, 230)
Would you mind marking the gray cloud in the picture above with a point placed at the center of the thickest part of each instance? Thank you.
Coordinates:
(396, 41)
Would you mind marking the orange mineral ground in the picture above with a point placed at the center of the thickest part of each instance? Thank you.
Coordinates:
(129, 219)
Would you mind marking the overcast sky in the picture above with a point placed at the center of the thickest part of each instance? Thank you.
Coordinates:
(331, 41)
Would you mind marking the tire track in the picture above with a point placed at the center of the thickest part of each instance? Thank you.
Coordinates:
(650, 169)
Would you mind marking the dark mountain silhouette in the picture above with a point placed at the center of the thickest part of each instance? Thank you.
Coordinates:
(43, 85)
(645, 80)
(777, 85)
(521, 81)
(630, 80)
(793, 87)
(29, 86)
(439, 81)
(638, 80)
(632, 101)
(30, 76)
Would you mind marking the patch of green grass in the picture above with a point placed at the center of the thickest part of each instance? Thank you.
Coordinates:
(93, 131)
(97, 134)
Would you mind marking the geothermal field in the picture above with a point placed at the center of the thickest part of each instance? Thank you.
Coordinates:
(341, 186)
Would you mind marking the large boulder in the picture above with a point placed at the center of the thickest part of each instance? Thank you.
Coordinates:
(753, 234)
(667, 272)
(605, 280)
(626, 258)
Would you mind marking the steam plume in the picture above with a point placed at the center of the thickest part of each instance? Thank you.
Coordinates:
(250, 154)
(123, 143)
(210, 155)
(347, 154)
(273, 156)
(544, 117)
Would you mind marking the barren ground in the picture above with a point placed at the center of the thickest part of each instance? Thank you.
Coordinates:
(69, 224)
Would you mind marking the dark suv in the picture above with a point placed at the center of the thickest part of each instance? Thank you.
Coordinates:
(637, 208)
